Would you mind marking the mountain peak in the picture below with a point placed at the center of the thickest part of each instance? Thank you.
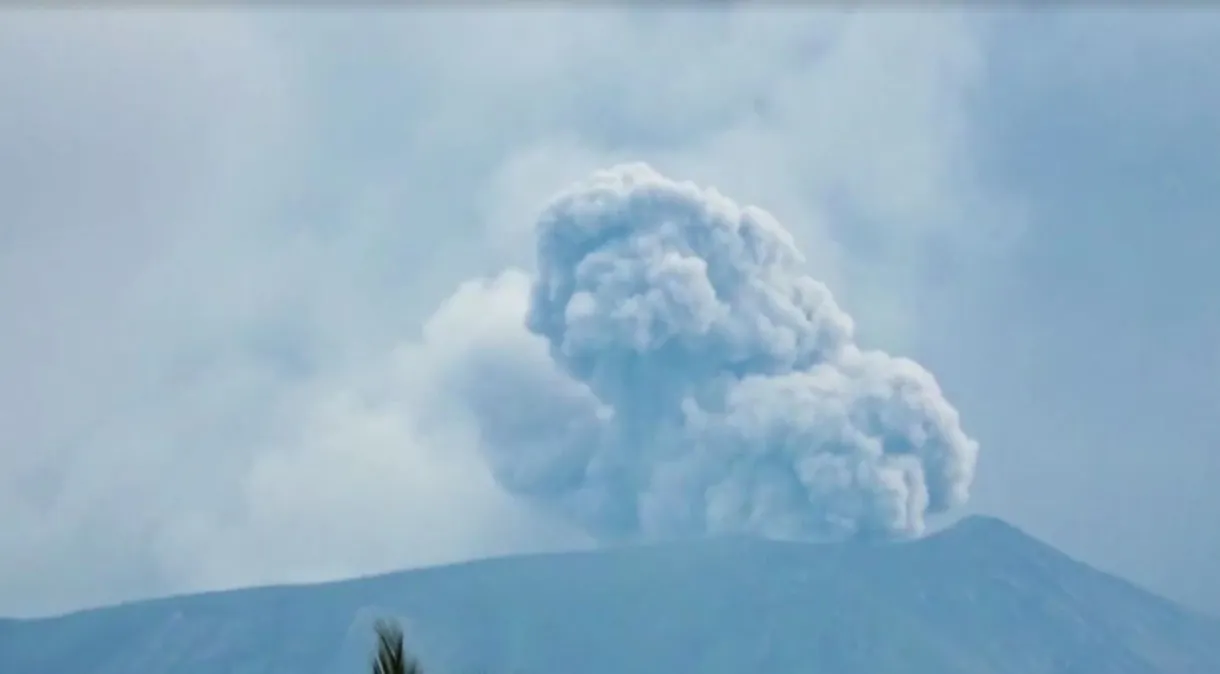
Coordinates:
(986, 527)
(984, 533)
(979, 597)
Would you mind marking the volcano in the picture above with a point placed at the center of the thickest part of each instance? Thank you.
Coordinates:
(980, 597)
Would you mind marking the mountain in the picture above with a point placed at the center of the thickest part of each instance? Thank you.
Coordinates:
(978, 598)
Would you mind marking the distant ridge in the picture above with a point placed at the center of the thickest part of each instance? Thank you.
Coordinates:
(979, 597)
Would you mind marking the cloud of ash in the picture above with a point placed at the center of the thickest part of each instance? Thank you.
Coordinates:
(681, 375)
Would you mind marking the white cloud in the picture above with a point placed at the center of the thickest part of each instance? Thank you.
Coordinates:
(696, 380)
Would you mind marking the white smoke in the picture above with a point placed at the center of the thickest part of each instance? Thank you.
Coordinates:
(682, 375)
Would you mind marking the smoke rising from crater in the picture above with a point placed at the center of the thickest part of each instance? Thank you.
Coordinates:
(683, 375)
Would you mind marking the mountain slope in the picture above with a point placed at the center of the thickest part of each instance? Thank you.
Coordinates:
(980, 598)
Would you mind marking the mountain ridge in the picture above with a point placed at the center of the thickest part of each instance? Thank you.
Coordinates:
(978, 597)
(974, 525)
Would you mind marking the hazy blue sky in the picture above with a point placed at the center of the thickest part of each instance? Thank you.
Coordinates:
(222, 234)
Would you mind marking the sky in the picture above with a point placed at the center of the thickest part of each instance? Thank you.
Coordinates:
(237, 251)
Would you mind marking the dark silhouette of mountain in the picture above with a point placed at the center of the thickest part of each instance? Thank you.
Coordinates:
(978, 598)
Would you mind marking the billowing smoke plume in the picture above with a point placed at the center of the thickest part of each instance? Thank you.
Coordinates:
(690, 379)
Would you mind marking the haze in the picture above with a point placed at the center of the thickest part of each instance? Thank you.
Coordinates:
(230, 243)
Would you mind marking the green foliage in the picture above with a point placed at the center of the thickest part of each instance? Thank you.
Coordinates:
(392, 656)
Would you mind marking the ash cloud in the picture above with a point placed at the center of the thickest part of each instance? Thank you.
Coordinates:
(683, 375)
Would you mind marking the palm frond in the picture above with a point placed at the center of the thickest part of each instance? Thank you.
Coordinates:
(392, 656)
